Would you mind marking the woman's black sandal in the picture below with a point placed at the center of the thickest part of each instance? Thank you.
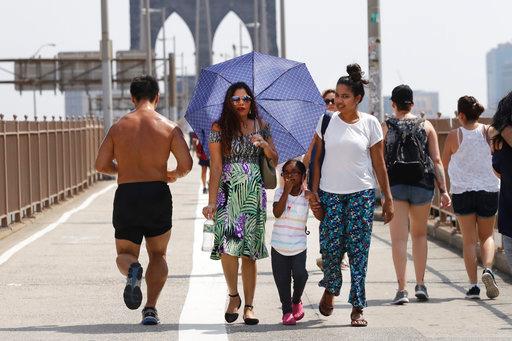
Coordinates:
(249, 320)
(231, 317)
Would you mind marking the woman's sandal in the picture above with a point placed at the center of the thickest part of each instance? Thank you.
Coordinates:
(357, 319)
(231, 317)
(326, 304)
(249, 320)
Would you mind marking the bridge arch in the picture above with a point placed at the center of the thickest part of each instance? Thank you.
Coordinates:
(203, 18)
(224, 49)
(185, 53)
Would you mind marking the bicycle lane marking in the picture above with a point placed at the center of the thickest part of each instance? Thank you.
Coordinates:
(202, 316)
(4, 257)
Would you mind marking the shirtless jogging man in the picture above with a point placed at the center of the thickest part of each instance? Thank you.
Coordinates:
(137, 148)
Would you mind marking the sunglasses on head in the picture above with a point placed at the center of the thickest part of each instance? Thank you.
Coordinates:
(329, 101)
(245, 98)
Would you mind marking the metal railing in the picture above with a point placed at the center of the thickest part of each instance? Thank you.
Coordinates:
(44, 162)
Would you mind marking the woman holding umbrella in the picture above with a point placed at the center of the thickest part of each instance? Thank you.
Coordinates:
(346, 191)
(237, 199)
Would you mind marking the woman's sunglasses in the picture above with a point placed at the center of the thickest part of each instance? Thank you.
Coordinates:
(245, 99)
(329, 101)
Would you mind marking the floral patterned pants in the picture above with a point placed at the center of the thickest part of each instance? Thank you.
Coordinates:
(347, 227)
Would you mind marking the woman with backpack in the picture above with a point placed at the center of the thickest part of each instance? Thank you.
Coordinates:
(352, 142)
(474, 188)
(414, 164)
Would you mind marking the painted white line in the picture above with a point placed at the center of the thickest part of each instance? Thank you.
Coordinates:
(202, 317)
(4, 257)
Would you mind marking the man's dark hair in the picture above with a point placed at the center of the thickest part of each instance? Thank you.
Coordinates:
(144, 87)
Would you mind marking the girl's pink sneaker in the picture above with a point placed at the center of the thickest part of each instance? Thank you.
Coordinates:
(297, 311)
(289, 320)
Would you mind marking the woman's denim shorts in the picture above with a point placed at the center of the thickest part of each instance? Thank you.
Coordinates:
(414, 195)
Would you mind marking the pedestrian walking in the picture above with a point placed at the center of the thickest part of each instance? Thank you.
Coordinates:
(329, 99)
(414, 163)
(474, 188)
(237, 198)
(204, 162)
(346, 191)
(502, 164)
(137, 148)
(289, 240)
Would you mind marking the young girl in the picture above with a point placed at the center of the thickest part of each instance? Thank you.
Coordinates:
(289, 240)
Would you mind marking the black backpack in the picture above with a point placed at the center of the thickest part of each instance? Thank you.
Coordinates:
(326, 118)
(408, 161)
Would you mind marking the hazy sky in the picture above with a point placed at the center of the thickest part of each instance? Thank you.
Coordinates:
(435, 45)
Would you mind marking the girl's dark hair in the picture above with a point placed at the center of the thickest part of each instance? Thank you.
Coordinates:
(298, 164)
(471, 108)
(229, 121)
(328, 91)
(354, 80)
(503, 116)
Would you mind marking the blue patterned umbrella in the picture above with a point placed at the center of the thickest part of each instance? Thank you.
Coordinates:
(286, 95)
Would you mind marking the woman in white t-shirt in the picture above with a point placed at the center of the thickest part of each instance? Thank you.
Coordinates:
(346, 191)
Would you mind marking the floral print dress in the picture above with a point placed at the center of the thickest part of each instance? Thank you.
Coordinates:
(241, 201)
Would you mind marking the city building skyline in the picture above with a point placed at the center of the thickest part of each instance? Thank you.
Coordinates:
(499, 74)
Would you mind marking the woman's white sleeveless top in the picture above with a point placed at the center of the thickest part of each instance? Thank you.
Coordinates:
(470, 168)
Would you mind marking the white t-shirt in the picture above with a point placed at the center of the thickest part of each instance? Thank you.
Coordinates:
(347, 166)
(289, 232)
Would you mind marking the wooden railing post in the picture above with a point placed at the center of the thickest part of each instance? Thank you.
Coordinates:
(5, 220)
(30, 197)
(18, 213)
(39, 205)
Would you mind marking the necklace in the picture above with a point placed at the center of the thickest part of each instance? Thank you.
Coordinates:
(244, 124)
(289, 206)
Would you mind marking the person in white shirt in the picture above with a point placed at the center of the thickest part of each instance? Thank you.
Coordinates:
(328, 96)
(474, 188)
(344, 185)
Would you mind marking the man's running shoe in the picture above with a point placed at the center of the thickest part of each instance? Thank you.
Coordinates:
(473, 293)
(421, 292)
(491, 287)
(400, 297)
(132, 293)
(150, 316)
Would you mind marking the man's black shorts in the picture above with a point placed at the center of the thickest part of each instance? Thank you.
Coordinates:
(142, 209)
